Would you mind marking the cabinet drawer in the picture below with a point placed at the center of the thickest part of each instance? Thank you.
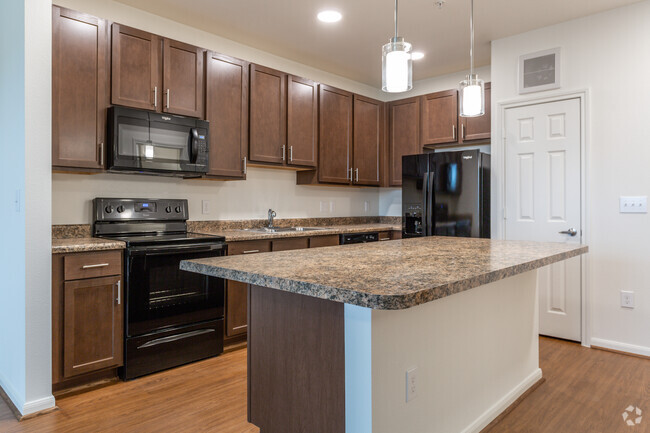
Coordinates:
(249, 247)
(323, 241)
(91, 265)
(290, 244)
(384, 236)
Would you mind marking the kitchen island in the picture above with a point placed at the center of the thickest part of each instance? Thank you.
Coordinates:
(334, 333)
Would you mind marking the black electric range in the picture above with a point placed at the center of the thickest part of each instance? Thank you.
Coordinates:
(172, 317)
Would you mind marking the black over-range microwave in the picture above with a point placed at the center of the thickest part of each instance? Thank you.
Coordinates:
(156, 143)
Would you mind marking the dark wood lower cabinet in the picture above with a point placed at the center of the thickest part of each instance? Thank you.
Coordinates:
(87, 318)
(236, 310)
(323, 241)
(290, 244)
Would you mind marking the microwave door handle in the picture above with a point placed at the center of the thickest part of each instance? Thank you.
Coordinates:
(194, 145)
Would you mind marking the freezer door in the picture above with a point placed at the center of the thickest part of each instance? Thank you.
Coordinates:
(414, 195)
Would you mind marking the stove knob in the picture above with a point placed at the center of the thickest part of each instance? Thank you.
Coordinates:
(120, 209)
(168, 209)
(178, 209)
(108, 209)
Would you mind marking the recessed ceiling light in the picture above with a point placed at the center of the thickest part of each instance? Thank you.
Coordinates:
(329, 16)
(416, 55)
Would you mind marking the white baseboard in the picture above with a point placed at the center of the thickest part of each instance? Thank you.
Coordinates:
(489, 415)
(26, 407)
(621, 347)
(38, 405)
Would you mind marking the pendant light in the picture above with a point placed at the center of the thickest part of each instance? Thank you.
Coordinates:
(397, 65)
(471, 89)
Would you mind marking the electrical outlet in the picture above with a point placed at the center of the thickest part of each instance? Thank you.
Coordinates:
(633, 204)
(331, 207)
(366, 206)
(627, 299)
(323, 206)
(206, 206)
(411, 384)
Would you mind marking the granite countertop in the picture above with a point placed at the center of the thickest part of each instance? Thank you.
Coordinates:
(234, 235)
(80, 245)
(388, 275)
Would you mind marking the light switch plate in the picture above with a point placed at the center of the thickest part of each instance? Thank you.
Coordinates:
(634, 204)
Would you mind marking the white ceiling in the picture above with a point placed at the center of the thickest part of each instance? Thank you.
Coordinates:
(352, 47)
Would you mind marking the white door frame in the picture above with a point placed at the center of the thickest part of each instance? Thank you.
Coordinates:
(499, 186)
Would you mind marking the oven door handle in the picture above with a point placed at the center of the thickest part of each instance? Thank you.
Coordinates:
(174, 249)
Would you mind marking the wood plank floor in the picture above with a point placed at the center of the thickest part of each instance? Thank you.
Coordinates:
(585, 390)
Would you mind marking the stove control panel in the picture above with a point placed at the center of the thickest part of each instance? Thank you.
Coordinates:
(135, 209)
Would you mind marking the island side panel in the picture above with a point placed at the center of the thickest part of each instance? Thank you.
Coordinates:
(475, 352)
(296, 362)
(358, 369)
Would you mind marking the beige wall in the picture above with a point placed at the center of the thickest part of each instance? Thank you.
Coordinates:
(264, 188)
(607, 54)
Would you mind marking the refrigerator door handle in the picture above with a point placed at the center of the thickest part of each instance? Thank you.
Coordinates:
(425, 202)
(430, 202)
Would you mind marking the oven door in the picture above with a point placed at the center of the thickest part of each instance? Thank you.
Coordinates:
(160, 295)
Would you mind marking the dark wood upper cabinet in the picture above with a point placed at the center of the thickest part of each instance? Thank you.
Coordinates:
(478, 128)
(404, 134)
(302, 121)
(182, 78)
(80, 85)
(226, 108)
(92, 327)
(268, 115)
(439, 118)
(368, 140)
(335, 135)
(137, 74)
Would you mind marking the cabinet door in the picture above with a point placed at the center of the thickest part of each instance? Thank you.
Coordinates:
(290, 244)
(236, 308)
(136, 68)
(368, 140)
(92, 325)
(182, 79)
(335, 135)
(440, 118)
(79, 89)
(268, 115)
(226, 108)
(404, 134)
(478, 128)
(302, 121)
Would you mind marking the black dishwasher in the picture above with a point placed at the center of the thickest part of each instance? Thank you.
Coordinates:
(358, 238)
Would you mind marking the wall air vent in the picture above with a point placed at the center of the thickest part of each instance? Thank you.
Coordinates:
(539, 71)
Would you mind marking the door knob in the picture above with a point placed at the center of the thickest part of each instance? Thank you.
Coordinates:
(570, 232)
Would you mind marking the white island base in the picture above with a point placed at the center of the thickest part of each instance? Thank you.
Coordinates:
(474, 353)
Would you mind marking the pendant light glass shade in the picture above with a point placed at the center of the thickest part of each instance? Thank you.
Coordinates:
(471, 89)
(397, 66)
(471, 96)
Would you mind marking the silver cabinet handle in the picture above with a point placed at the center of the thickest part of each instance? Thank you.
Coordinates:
(239, 327)
(119, 292)
(384, 239)
(284, 152)
(251, 251)
(167, 92)
(245, 168)
(99, 265)
(570, 232)
(155, 96)
(101, 153)
(356, 174)
(291, 153)
(453, 132)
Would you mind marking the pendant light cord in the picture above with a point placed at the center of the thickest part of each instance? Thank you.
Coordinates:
(471, 37)
(396, 18)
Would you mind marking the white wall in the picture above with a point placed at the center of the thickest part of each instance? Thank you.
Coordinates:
(390, 199)
(265, 188)
(25, 258)
(262, 190)
(607, 54)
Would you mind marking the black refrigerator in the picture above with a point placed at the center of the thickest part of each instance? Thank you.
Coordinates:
(446, 194)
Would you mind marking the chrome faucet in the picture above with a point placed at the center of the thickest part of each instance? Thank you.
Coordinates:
(272, 215)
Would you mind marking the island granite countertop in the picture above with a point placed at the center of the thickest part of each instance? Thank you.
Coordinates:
(389, 275)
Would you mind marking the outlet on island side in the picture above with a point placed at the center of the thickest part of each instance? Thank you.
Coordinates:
(411, 384)
(627, 299)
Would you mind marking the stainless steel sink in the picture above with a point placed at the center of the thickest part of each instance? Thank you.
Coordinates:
(283, 229)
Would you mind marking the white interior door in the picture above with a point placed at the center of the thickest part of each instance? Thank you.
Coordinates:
(543, 202)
